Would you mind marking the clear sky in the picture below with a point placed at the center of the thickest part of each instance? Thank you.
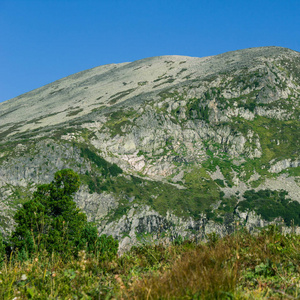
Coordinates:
(44, 40)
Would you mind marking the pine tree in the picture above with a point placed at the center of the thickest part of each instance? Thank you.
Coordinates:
(51, 220)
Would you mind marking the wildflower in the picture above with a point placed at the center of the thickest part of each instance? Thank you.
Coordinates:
(23, 277)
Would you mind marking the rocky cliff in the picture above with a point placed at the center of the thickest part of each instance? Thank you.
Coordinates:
(166, 146)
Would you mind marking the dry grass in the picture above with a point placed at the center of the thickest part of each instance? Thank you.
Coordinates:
(209, 272)
(243, 266)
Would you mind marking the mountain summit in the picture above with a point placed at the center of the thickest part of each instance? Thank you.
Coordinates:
(165, 146)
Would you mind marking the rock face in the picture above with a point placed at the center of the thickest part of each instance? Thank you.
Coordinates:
(168, 144)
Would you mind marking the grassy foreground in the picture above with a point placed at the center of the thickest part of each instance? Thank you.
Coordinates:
(241, 266)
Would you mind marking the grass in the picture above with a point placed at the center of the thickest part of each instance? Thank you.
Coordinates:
(198, 196)
(270, 131)
(161, 196)
(118, 119)
(199, 272)
(240, 266)
(278, 139)
(225, 165)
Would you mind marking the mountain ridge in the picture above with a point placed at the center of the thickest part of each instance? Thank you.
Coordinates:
(109, 71)
(189, 144)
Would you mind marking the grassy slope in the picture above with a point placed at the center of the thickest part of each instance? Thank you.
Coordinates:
(241, 266)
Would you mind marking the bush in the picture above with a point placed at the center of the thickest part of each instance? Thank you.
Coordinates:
(104, 247)
(52, 222)
(107, 247)
(271, 204)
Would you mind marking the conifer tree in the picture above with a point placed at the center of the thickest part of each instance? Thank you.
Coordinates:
(51, 220)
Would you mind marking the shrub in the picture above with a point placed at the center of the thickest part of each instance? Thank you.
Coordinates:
(106, 247)
(271, 204)
(52, 222)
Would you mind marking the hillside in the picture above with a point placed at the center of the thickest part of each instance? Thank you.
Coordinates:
(181, 145)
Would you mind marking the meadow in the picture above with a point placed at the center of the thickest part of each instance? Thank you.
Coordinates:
(265, 265)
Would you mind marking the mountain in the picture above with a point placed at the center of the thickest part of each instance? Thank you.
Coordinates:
(165, 146)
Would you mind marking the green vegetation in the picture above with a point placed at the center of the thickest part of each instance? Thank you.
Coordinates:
(74, 112)
(220, 182)
(240, 266)
(105, 167)
(118, 119)
(181, 71)
(250, 105)
(171, 93)
(226, 210)
(292, 171)
(141, 83)
(200, 193)
(197, 108)
(169, 79)
(279, 140)
(270, 131)
(160, 196)
(225, 165)
(272, 204)
(51, 223)
(114, 98)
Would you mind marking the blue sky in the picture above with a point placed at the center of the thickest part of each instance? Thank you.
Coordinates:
(44, 40)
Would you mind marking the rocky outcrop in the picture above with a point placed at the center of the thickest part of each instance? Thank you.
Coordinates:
(207, 129)
(284, 164)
